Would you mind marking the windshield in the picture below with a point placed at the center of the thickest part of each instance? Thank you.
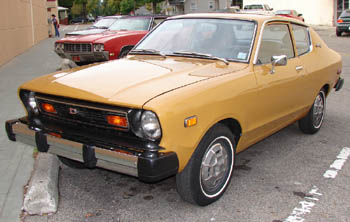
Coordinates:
(104, 23)
(223, 38)
(283, 12)
(141, 24)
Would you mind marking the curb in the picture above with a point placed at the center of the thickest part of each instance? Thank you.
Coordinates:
(42, 194)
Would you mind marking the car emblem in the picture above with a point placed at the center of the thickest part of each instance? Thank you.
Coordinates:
(73, 111)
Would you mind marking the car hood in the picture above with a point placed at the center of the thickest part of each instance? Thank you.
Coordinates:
(86, 32)
(130, 82)
(100, 37)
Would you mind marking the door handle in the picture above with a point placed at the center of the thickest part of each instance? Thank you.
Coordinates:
(298, 68)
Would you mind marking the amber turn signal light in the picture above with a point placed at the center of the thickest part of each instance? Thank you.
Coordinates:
(48, 108)
(190, 121)
(340, 21)
(119, 121)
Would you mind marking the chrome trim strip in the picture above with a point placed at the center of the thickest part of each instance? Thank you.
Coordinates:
(111, 160)
(84, 106)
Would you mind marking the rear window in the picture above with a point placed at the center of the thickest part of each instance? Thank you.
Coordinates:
(345, 13)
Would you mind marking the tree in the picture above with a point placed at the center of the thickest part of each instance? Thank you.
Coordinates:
(126, 6)
(154, 4)
(65, 3)
(84, 4)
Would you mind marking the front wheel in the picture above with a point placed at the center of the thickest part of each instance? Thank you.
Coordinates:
(312, 122)
(208, 172)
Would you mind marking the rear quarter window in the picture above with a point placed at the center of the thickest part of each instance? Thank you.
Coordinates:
(302, 39)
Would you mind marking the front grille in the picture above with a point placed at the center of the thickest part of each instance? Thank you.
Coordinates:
(77, 47)
(79, 114)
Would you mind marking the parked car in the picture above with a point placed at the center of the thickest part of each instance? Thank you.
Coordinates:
(111, 44)
(194, 92)
(100, 26)
(290, 14)
(258, 9)
(343, 23)
(78, 20)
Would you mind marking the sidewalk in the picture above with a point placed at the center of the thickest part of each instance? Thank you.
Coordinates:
(16, 161)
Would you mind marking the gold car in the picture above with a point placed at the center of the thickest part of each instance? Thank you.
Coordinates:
(194, 92)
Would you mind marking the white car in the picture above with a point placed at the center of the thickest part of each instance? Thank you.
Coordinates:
(258, 9)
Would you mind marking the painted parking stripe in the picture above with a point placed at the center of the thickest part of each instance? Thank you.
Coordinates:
(312, 198)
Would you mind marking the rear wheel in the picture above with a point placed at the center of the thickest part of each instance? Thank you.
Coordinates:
(208, 172)
(71, 163)
(312, 122)
(338, 33)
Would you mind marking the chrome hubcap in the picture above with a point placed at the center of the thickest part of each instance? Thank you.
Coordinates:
(318, 110)
(214, 167)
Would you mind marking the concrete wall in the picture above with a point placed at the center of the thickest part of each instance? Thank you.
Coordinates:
(23, 23)
(315, 12)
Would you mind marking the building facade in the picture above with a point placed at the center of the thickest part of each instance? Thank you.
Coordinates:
(23, 23)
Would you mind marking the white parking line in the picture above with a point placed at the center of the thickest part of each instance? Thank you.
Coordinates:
(310, 200)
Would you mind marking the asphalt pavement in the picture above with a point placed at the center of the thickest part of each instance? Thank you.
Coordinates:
(282, 178)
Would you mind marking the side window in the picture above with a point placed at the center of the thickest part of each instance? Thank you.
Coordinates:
(275, 41)
(302, 39)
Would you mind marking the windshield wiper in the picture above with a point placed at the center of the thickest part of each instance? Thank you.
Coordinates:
(148, 51)
(201, 55)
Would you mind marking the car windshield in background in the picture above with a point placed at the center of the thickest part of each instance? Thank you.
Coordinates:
(282, 12)
(345, 13)
(137, 24)
(104, 23)
(223, 38)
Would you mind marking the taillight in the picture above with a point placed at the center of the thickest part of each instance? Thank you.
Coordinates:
(340, 21)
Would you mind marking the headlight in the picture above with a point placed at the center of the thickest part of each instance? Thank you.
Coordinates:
(150, 125)
(99, 47)
(28, 99)
(59, 46)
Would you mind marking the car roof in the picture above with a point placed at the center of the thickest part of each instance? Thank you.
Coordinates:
(242, 16)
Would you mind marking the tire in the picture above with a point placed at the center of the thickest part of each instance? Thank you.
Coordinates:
(124, 52)
(338, 33)
(217, 148)
(312, 122)
(71, 163)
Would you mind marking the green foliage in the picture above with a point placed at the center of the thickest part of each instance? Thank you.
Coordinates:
(126, 6)
(111, 7)
(154, 5)
(65, 3)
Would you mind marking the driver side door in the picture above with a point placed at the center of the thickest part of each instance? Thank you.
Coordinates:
(279, 90)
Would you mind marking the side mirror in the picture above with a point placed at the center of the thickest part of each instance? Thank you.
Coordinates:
(300, 14)
(271, 9)
(278, 61)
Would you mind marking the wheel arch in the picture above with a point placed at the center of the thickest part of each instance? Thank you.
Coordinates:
(326, 88)
(234, 126)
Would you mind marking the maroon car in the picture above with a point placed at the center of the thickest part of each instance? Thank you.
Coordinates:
(290, 14)
(113, 43)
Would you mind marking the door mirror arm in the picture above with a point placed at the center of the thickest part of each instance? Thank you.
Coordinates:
(280, 60)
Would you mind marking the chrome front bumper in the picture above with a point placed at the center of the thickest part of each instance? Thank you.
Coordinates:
(146, 169)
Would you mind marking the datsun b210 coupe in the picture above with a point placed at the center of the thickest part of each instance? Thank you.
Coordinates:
(194, 92)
